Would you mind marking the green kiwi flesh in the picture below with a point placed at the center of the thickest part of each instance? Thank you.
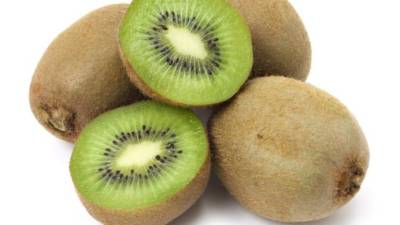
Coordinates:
(187, 53)
(280, 40)
(81, 75)
(141, 164)
(288, 151)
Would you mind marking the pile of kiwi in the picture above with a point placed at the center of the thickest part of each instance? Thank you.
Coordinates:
(121, 84)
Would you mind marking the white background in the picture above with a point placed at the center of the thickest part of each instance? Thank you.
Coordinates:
(356, 57)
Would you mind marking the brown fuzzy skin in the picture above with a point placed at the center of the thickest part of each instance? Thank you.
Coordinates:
(160, 214)
(280, 40)
(288, 151)
(81, 75)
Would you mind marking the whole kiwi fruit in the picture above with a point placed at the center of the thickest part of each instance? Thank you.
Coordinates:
(142, 164)
(81, 75)
(288, 151)
(280, 41)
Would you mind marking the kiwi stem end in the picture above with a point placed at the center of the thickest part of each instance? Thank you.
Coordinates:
(58, 118)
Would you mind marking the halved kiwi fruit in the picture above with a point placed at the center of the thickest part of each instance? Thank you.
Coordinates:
(142, 164)
(288, 151)
(81, 75)
(280, 40)
(188, 53)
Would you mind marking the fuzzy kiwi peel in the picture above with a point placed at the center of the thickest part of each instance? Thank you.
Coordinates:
(288, 151)
(81, 75)
(280, 41)
(143, 164)
(183, 53)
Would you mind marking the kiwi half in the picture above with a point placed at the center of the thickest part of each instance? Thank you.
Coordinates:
(142, 164)
(187, 53)
(288, 151)
(280, 40)
(81, 75)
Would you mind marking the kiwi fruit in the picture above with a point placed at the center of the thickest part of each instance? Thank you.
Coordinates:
(186, 53)
(81, 75)
(142, 164)
(281, 44)
(288, 151)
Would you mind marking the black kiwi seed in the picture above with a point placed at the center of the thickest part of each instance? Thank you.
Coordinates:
(163, 27)
(173, 17)
(169, 61)
(170, 145)
(215, 63)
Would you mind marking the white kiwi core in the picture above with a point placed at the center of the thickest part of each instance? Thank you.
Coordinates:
(138, 155)
(186, 42)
